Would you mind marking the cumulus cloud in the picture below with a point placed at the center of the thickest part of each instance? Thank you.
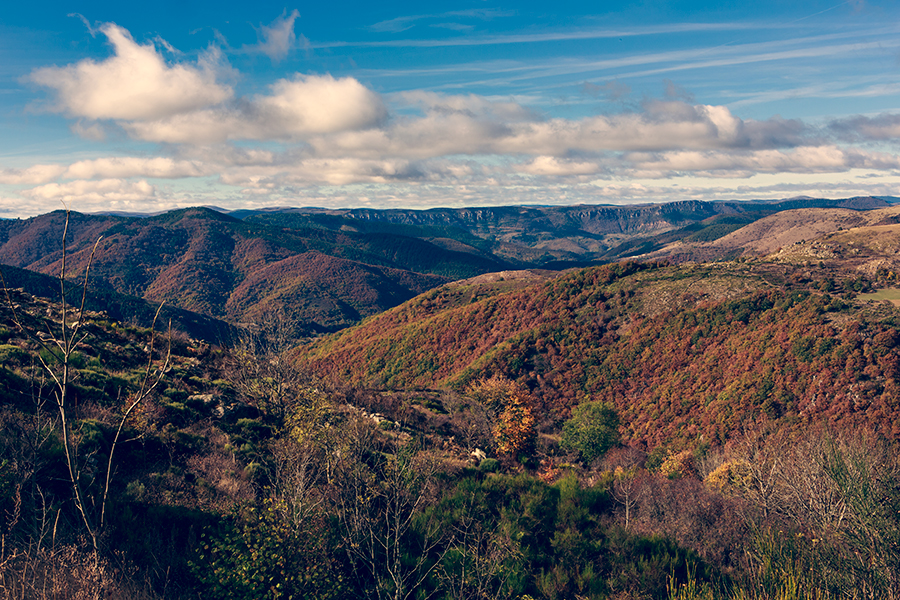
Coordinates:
(812, 159)
(107, 192)
(32, 175)
(880, 128)
(551, 165)
(335, 171)
(474, 125)
(185, 103)
(318, 104)
(470, 105)
(129, 166)
(299, 107)
(135, 83)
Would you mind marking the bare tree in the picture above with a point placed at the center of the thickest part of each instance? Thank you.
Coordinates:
(257, 368)
(841, 489)
(469, 418)
(23, 441)
(389, 541)
(59, 344)
(627, 489)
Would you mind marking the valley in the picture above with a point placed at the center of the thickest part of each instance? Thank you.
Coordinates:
(688, 400)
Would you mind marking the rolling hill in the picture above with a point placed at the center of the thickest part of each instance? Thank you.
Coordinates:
(327, 269)
(806, 233)
(118, 307)
(686, 353)
(206, 262)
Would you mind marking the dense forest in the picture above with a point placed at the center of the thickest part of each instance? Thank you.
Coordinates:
(685, 353)
(627, 431)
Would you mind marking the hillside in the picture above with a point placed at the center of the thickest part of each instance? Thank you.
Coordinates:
(119, 307)
(751, 419)
(198, 259)
(808, 231)
(331, 293)
(684, 353)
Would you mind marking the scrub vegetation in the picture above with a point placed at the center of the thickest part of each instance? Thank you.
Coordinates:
(635, 430)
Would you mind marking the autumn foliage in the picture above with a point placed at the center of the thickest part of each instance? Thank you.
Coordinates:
(683, 353)
(513, 431)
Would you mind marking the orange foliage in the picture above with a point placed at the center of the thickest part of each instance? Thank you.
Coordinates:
(755, 354)
(514, 432)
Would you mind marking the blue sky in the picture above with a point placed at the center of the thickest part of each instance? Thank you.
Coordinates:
(134, 107)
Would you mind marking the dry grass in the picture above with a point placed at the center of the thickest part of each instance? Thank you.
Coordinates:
(892, 295)
(65, 573)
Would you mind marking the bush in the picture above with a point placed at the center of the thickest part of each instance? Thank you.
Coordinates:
(11, 353)
(489, 465)
(592, 430)
(263, 553)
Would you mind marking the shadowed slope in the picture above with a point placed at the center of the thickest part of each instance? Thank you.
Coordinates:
(199, 259)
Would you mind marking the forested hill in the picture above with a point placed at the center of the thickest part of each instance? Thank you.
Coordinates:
(682, 352)
(207, 262)
(118, 307)
(325, 270)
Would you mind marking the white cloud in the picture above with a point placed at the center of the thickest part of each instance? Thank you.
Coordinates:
(129, 166)
(318, 104)
(329, 171)
(135, 83)
(186, 104)
(102, 192)
(296, 108)
(212, 126)
(226, 156)
(278, 38)
(33, 175)
(811, 159)
(660, 126)
(550, 165)
(475, 126)
(470, 105)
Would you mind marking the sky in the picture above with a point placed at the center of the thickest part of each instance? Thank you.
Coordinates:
(146, 107)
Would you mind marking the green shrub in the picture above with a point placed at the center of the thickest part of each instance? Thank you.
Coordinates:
(489, 465)
(260, 553)
(10, 352)
(592, 430)
(254, 429)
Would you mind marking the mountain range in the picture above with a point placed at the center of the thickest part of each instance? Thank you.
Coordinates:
(328, 269)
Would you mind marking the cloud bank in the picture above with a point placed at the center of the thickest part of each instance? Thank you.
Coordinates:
(311, 137)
